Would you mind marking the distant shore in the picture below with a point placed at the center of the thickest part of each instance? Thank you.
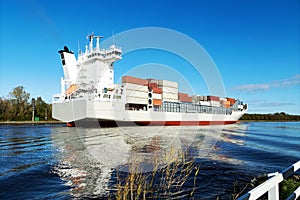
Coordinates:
(30, 122)
(244, 120)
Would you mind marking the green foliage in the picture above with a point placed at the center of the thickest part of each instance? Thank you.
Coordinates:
(289, 186)
(286, 187)
(271, 117)
(17, 107)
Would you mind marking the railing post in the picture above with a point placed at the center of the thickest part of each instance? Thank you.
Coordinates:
(273, 194)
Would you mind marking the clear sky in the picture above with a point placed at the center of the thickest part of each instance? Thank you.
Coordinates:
(255, 44)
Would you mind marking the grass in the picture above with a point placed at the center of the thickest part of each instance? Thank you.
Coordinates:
(166, 180)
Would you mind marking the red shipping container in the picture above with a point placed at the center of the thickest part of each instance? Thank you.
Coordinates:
(213, 98)
(182, 95)
(157, 90)
(232, 100)
(152, 85)
(134, 80)
(187, 99)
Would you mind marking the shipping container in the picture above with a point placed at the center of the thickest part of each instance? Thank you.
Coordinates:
(213, 98)
(151, 80)
(134, 80)
(215, 103)
(166, 89)
(204, 103)
(197, 98)
(170, 96)
(156, 96)
(232, 100)
(166, 83)
(157, 102)
(186, 99)
(136, 87)
(152, 85)
(170, 100)
(135, 93)
(157, 90)
(182, 95)
(225, 103)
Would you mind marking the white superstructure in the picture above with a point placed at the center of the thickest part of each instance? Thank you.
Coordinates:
(88, 92)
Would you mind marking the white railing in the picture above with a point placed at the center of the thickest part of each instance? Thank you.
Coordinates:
(272, 186)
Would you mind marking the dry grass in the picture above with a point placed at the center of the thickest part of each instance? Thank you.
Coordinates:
(166, 179)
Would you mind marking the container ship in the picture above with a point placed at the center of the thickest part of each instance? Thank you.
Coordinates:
(88, 93)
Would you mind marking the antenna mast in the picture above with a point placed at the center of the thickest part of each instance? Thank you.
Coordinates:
(113, 37)
(98, 41)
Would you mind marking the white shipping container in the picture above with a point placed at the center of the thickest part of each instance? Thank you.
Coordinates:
(204, 103)
(197, 98)
(169, 90)
(167, 83)
(170, 100)
(223, 99)
(170, 96)
(156, 96)
(135, 93)
(131, 86)
(136, 100)
(215, 103)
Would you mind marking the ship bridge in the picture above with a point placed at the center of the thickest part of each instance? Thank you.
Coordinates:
(108, 55)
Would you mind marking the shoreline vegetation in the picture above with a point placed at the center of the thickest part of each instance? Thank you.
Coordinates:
(276, 117)
(19, 108)
(30, 122)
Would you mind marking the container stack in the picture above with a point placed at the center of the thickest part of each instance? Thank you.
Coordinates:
(156, 93)
(231, 100)
(197, 98)
(225, 103)
(136, 90)
(134, 80)
(214, 100)
(183, 97)
(169, 90)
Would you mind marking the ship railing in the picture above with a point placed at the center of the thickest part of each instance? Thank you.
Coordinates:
(272, 185)
(57, 98)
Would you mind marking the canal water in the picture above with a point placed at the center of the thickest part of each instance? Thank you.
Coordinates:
(58, 162)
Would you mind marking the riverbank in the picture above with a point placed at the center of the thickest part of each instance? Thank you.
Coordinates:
(30, 122)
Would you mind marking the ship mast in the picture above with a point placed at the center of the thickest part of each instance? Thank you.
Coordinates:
(98, 42)
(91, 38)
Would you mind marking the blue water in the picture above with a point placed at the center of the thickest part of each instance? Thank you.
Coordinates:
(57, 162)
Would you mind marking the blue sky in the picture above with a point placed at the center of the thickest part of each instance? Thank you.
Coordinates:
(254, 44)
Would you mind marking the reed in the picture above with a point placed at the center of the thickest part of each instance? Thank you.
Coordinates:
(166, 180)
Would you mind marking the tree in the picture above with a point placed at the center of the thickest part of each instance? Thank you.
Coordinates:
(18, 99)
(5, 109)
(41, 108)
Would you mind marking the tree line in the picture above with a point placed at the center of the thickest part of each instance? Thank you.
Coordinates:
(271, 117)
(18, 106)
